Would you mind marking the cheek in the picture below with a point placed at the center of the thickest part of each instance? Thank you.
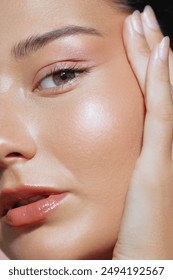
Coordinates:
(98, 139)
(100, 133)
(96, 133)
(107, 140)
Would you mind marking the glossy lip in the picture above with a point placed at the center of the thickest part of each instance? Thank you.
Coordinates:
(33, 212)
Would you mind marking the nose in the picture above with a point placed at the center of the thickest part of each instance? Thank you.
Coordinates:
(16, 143)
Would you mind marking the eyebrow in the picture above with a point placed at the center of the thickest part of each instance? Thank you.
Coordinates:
(33, 43)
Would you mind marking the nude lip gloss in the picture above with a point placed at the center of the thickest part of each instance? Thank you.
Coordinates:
(34, 212)
(26, 205)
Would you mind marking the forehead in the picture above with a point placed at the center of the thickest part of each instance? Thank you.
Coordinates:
(28, 15)
(22, 19)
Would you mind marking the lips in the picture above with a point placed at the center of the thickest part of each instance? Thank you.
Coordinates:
(27, 205)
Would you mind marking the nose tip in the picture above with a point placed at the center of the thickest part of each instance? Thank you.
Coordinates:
(15, 149)
(17, 130)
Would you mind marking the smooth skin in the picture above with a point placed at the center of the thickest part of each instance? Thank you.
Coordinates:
(82, 138)
(95, 162)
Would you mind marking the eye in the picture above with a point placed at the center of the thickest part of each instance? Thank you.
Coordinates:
(59, 79)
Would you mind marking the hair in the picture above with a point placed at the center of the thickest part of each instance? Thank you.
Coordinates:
(162, 8)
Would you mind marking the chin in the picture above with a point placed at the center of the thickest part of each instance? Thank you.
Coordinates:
(84, 247)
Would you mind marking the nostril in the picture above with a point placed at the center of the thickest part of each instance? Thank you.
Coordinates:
(14, 155)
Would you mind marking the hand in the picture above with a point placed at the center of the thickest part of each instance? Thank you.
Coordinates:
(146, 231)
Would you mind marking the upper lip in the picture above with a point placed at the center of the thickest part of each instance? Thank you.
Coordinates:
(9, 197)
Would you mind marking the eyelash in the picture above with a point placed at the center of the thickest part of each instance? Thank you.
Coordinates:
(58, 70)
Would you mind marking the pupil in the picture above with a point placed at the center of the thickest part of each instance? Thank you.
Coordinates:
(63, 76)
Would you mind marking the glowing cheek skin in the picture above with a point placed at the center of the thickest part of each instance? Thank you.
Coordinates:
(87, 140)
(93, 119)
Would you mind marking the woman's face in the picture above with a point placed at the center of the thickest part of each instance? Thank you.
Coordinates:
(77, 132)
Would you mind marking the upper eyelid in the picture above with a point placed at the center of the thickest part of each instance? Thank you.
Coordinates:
(57, 70)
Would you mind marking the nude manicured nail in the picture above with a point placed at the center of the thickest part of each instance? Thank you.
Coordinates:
(136, 22)
(164, 48)
(150, 18)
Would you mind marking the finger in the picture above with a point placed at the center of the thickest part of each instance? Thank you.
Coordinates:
(151, 27)
(158, 128)
(153, 33)
(136, 46)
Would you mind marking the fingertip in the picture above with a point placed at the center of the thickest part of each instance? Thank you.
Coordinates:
(133, 27)
(150, 18)
(160, 52)
(136, 22)
(163, 48)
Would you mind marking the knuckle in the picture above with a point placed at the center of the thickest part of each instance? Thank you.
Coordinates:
(142, 50)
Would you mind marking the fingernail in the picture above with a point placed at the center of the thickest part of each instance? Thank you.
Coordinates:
(164, 48)
(136, 22)
(150, 18)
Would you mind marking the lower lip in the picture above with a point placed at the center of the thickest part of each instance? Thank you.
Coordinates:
(34, 212)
